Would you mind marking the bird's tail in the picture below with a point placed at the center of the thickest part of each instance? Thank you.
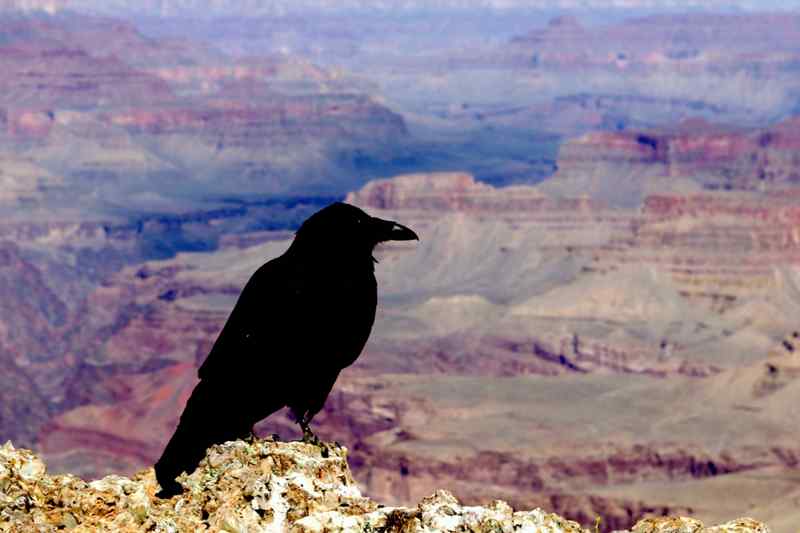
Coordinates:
(206, 420)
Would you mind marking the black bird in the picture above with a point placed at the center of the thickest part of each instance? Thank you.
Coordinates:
(301, 319)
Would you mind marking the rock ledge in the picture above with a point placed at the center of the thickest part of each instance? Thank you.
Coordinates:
(263, 486)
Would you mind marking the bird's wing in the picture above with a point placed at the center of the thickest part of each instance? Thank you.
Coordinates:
(262, 328)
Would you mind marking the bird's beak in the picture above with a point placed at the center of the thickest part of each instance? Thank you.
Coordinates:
(388, 230)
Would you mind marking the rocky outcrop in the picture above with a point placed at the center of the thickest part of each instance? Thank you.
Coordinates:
(435, 194)
(280, 120)
(781, 368)
(715, 157)
(716, 246)
(264, 486)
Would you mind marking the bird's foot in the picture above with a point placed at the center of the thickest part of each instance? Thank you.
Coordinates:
(172, 489)
(310, 438)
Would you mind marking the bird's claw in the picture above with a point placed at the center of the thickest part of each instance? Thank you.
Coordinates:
(171, 489)
(310, 438)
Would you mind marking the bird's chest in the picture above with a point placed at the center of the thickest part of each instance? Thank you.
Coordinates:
(354, 297)
(350, 303)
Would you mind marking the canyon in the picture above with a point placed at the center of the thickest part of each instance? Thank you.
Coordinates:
(599, 318)
(624, 335)
(534, 310)
(156, 124)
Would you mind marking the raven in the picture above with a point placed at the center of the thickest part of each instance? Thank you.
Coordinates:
(300, 319)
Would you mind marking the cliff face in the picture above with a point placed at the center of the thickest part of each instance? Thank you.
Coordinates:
(719, 246)
(264, 486)
(714, 157)
(87, 102)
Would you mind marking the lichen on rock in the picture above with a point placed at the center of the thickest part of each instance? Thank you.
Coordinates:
(690, 525)
(263, 486)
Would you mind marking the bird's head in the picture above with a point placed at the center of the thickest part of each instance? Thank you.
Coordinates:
(345, 229)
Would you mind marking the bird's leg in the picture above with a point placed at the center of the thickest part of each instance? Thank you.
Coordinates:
(310, 438)
(251, 436)
(308, 435)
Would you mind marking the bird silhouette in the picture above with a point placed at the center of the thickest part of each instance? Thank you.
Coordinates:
(300, 319)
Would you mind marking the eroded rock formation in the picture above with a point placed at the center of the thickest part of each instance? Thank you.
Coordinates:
(269, 487)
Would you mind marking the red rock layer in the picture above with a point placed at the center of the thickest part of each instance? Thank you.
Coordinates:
(717, 158)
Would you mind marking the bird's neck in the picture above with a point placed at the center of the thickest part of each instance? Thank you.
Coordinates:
(336, 263)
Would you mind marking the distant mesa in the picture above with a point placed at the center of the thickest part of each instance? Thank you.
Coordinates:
(565, 21)
(706, 42)
(716, 157)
